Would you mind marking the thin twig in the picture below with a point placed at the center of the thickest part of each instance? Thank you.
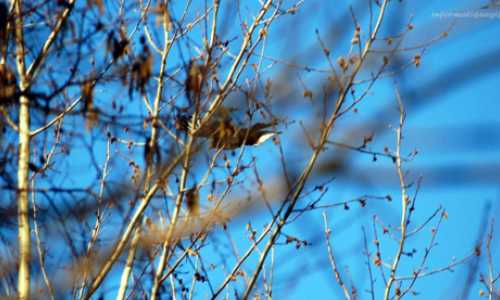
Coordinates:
(294, 195)
(331, 258)
(404, 199)
(368, 264)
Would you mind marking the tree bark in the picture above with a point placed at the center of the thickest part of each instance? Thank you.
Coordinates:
(24, 238)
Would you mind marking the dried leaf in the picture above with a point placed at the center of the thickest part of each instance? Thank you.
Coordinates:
(89, 111)
(98, 3)
(7, 85)
(194, 80)
(193, 201)
(116, 47)
(141, 72)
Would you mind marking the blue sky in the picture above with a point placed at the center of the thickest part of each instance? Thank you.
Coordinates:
(453, 120)
(455, 128)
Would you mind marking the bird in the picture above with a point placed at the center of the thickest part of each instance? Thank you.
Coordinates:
(224, 134)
